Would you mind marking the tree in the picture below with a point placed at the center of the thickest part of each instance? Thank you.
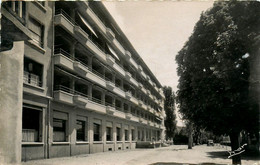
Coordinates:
(169, 107)
(214, 70)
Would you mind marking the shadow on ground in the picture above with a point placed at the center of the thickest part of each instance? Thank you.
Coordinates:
(225, 154)
(218, 154)
(173, 163)
(251, 157)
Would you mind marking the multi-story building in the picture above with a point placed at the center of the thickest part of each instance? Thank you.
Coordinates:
(85, 88)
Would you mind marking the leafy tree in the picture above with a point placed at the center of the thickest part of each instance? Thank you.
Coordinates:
(214, 71)
(169, 107)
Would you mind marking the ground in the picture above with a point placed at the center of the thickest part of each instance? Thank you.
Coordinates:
(176, 154)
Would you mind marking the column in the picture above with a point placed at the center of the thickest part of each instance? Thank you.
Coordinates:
(122, 106)
(114, 135)
(91, 134)
(104, 134)
(72, 135)
(113, 78)
(11, 98)
(72, 49)
(113, 101)
(145, 131)
(90, 60)
(90, 88)
(103, 96)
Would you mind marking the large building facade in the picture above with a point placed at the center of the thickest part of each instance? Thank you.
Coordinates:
(84, 87)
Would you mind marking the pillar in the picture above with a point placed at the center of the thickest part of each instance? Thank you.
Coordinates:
(103, 97)
(114, 78)
(90, 88)
(11, 98)
(90, 60)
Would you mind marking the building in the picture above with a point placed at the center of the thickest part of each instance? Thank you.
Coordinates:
(72, 83)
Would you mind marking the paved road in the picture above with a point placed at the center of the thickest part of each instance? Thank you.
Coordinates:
(173, 154)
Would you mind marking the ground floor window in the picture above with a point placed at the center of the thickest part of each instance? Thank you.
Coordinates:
(133, 134)
(118, 133)
(126, 135)
(31, 124)
(139, 135)
(97, 131)
(109, 134)
(60, 120)
(81, 130)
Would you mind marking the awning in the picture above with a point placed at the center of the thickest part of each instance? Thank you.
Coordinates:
(87, 24)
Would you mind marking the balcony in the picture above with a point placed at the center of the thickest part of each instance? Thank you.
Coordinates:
(148, 78)
(110, 34)
(148, 107)
(128, 95)
(119, 69)
(140, 102)
(110, 85)
(110, 110)
(32, 79)
(61, 58)
(96, 105)
(141, 120)
(110, 60)
(132, 61)
(62, 19)
(80, 33)
(128, 115)
(140, 85)
(140, 69)
(128, 75)
(63, 94)
(134, 118)
(148, 92)
(80, 99)
(128, 54)
(134, 100)
(80, 67)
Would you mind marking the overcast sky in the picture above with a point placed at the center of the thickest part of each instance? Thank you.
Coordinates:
(158, 30)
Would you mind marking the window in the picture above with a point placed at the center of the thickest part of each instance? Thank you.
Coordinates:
(32, 72)
(17, 8)
(31, 124)
(82, 130)
(109, 134)
(37, 30)
(118, 134)
(139, 135)
(133, 134)
(60, 120)
(126, 135)
(97, 132)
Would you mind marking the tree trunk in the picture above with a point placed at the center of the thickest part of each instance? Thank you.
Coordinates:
(234, 138)
(190, 140)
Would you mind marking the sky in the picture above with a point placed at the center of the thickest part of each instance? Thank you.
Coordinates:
(158, 31)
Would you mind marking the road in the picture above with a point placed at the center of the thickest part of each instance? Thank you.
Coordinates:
(174, 154)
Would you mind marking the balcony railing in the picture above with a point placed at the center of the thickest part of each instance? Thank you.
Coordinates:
(32, 79)
(62, 12)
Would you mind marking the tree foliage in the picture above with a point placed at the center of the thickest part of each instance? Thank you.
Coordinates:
(214, 69)
(169, 107)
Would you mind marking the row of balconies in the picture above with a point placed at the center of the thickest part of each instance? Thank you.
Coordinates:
(62, 19)
(83, 70)
(69, 96)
